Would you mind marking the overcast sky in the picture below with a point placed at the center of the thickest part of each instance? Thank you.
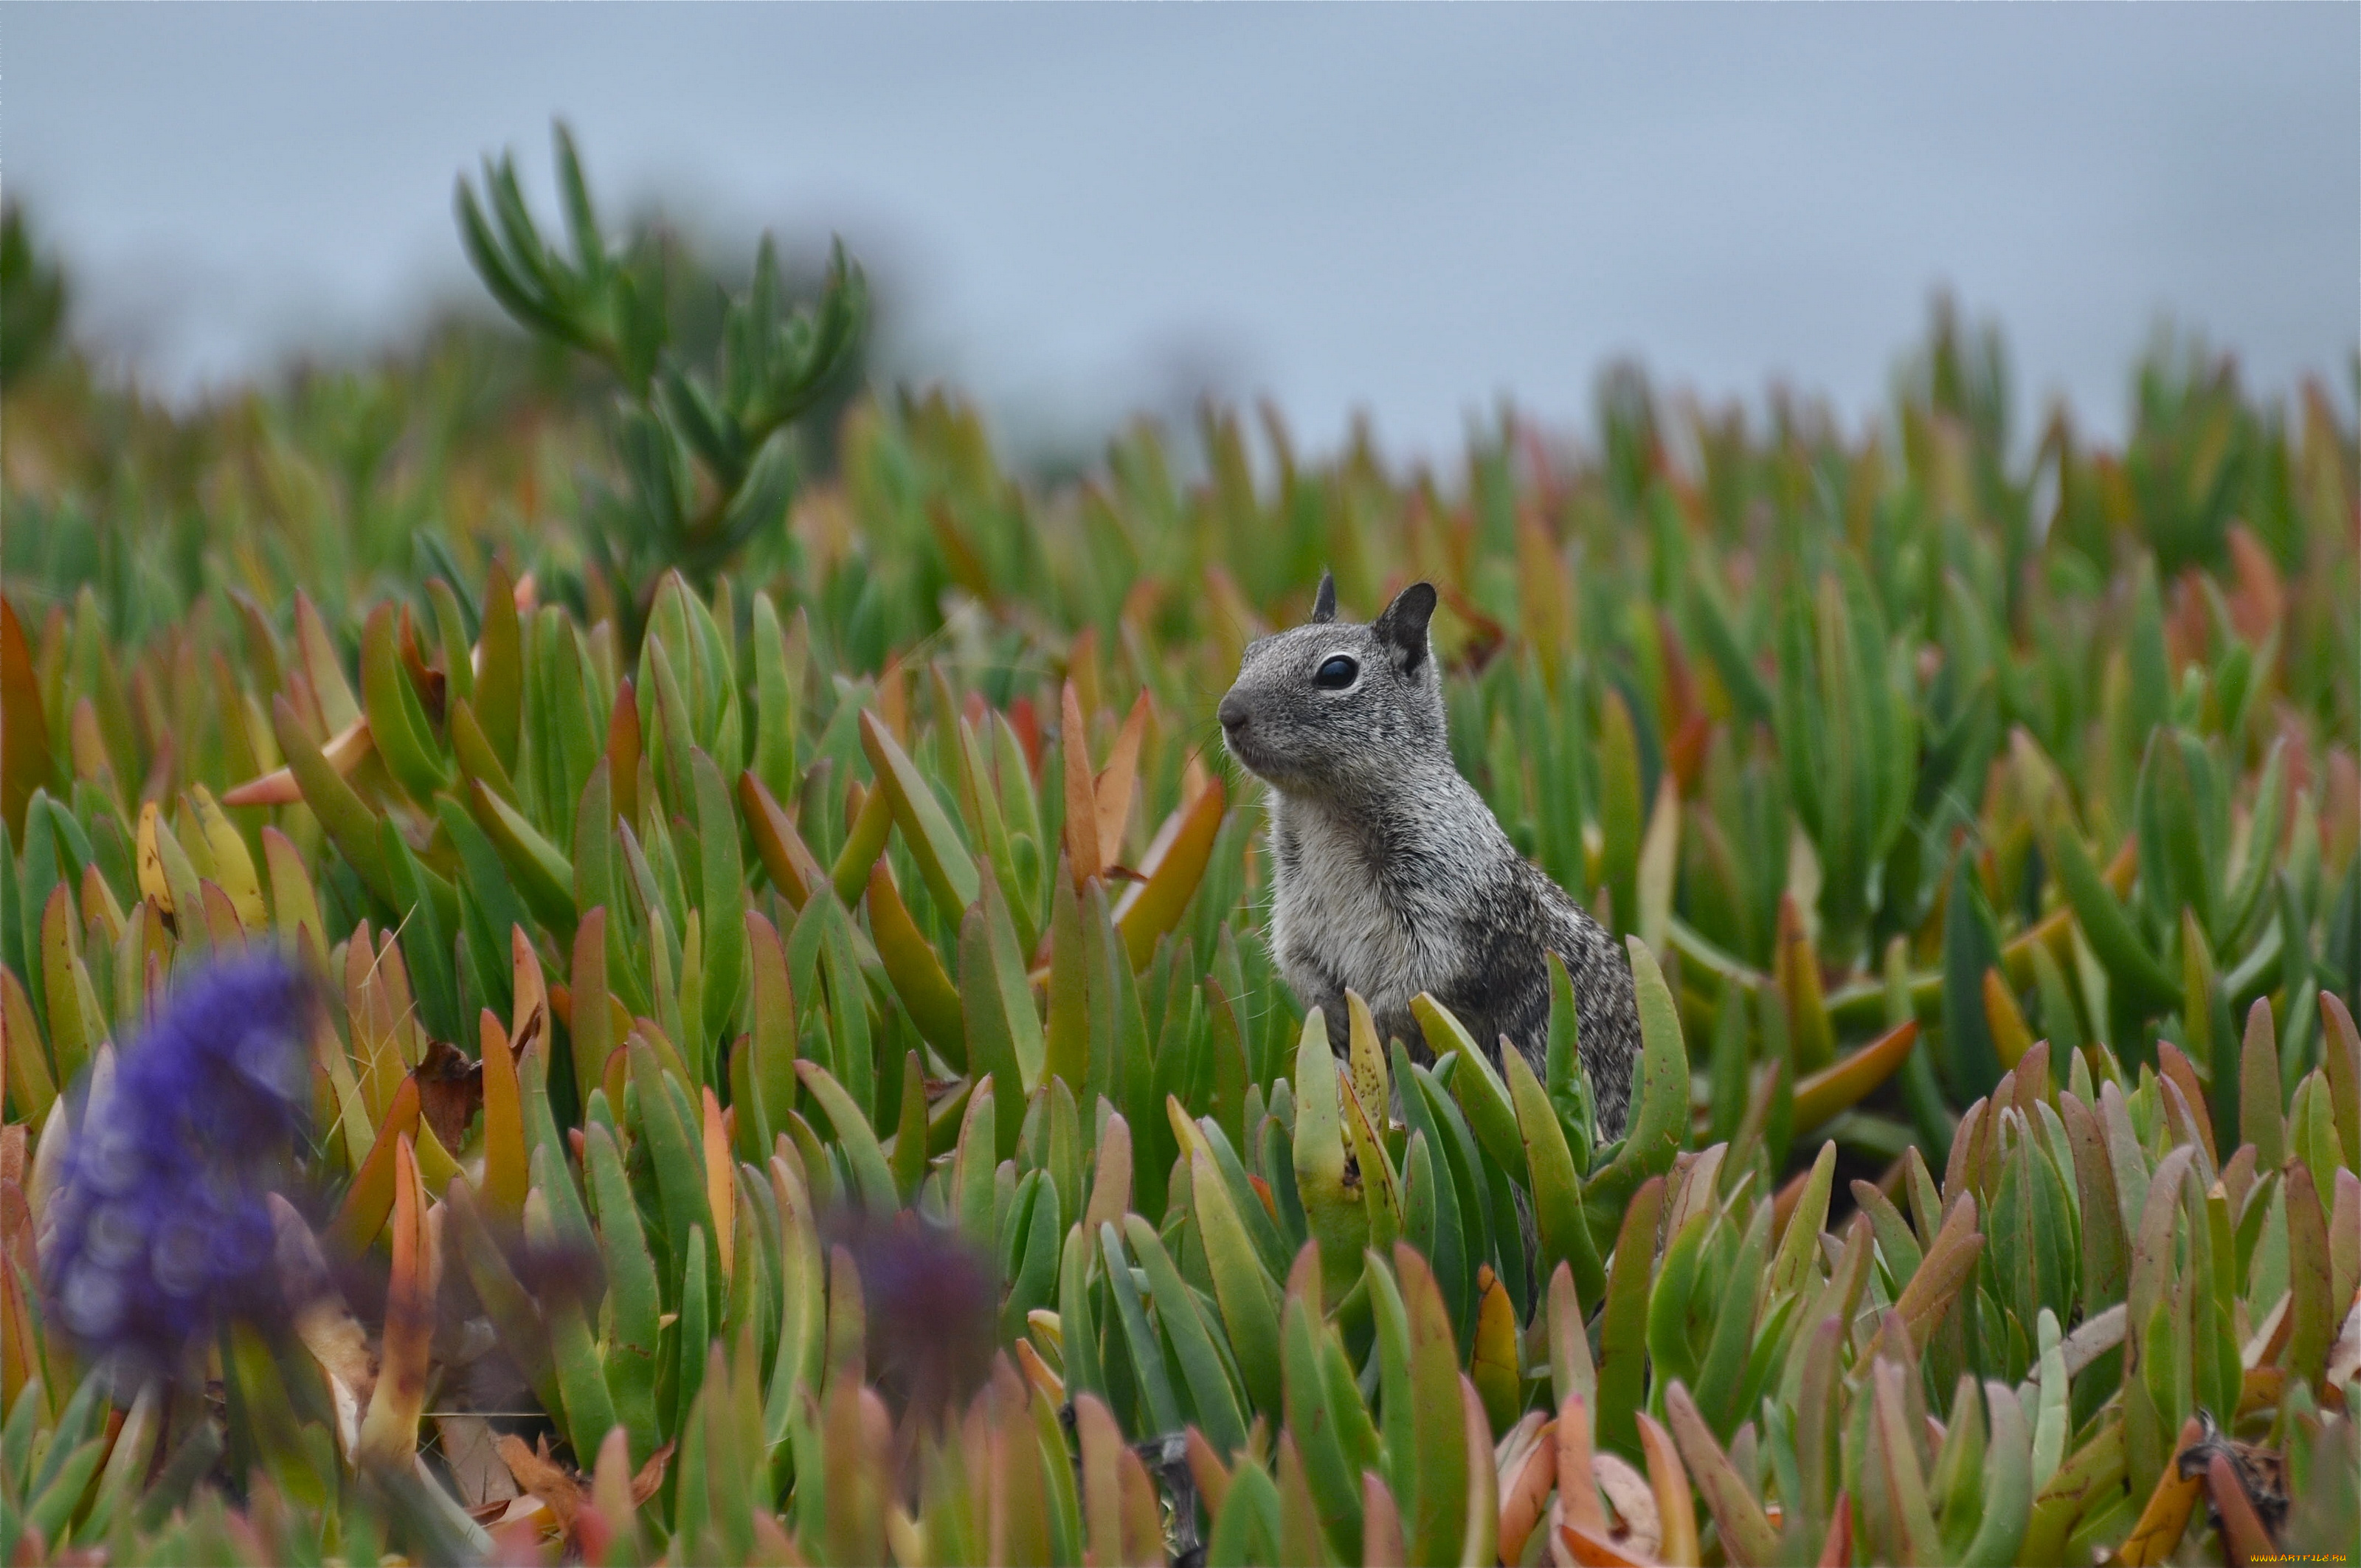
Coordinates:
(1413, 211)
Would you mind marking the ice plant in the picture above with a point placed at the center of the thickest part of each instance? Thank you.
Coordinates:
(161, 1217)
(804, 1076)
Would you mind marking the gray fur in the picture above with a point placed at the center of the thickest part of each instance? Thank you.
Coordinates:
(1392, 876)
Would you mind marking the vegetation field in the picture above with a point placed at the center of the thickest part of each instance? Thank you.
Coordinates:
(621, 949)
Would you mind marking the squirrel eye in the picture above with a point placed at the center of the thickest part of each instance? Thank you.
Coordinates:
(1337, 674)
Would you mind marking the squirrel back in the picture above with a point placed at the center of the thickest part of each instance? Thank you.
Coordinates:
(1391, 876)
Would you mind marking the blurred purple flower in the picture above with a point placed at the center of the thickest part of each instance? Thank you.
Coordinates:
(933, 1305)
(161, 1220)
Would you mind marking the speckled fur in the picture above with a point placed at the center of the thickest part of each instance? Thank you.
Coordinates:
(1392, 876)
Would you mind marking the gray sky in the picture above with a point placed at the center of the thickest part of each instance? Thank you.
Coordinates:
(1409, 209)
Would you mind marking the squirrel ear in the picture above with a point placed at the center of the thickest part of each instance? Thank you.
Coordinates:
(1323, 603)
(1403, 625)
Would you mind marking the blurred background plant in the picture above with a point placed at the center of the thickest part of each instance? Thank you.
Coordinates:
(704, 438)
(769, 915)
(32, 296)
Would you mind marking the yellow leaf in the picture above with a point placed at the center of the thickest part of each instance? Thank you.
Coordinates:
(1492, 1359)
(233, 864)
(1365, 1059)
(1842, 1084)
(2010, 1036)
(2166, 1517)
(152, 883)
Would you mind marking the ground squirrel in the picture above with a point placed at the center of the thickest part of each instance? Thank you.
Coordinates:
(1392, 876)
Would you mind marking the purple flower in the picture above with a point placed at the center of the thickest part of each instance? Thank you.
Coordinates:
(161, 1219)
(932, 1308)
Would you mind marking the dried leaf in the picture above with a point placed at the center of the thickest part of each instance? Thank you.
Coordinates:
(649, 1477)
(473, 1454)
(1592, 1551)
(542, 1478)
(1638, 1526)
(450, 1091)
(323, 1322)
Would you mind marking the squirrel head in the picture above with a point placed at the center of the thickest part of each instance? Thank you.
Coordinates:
(1333, 708)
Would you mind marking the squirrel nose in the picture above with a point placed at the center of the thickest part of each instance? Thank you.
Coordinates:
(1232, 712)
